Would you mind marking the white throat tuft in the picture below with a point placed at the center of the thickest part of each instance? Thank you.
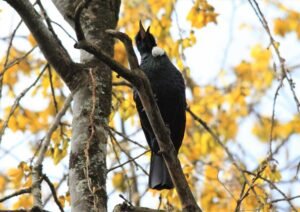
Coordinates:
(156, 51)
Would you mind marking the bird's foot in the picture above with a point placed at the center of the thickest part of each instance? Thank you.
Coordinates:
(161, 152)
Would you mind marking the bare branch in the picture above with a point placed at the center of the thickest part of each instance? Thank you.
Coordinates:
(47, 19)
(97, 52)
(135, 163)
(17, 193)
(52, 188)
(285, 199)
(132, 59)
(57, 186)
(16, 61)
(127, 138)
(274, 44)
(129, 161)
(13, 34)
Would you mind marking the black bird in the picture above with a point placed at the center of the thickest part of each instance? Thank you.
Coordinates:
(169, 89)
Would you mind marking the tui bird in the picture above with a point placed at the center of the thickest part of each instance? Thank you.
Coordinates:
(169, 89)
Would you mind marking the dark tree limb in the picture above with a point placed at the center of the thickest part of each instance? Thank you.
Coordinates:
(139, 80)
(53, 191)
(17, 193)
(53, 51)
(132, 59)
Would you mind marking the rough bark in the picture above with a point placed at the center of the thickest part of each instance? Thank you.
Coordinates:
(88, 193)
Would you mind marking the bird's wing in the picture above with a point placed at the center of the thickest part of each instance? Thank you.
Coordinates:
(173, 114)
(150, 137)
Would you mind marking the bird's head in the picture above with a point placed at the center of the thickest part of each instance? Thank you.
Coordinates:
(144, 40)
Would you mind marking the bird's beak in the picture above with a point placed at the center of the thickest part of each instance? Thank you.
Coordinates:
(142, 31)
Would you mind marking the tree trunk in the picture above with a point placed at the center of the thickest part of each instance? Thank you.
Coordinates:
(87, 180)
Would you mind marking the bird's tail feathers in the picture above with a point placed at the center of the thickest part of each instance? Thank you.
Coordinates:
(159, 177)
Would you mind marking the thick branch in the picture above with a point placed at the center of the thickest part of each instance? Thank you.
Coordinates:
(117, 67)
(132, 59)
(53, 51)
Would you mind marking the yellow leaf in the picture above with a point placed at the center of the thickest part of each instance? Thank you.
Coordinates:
(28, 182)
(2, 184)
(118, 181)
(211, 173)
(58, 155)
(120, 53)
(272, 173)
(201, 14)
(62, 200)
(280, 27)
(25, 201)
(68, 197)
(15, 174)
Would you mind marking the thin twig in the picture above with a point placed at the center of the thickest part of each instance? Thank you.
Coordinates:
(17, 102)
(284, 71)
(129, 161)
(244, 193)
(122, 167)
(17, 193)
(65, 31)
(127, 138)
(57, 187)
(52, 128)
(273, 117)
(7, 55)
(16, 61)
(272, 185)
(52, 188)
(137, 165)
(285, 199)
(230, 155)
